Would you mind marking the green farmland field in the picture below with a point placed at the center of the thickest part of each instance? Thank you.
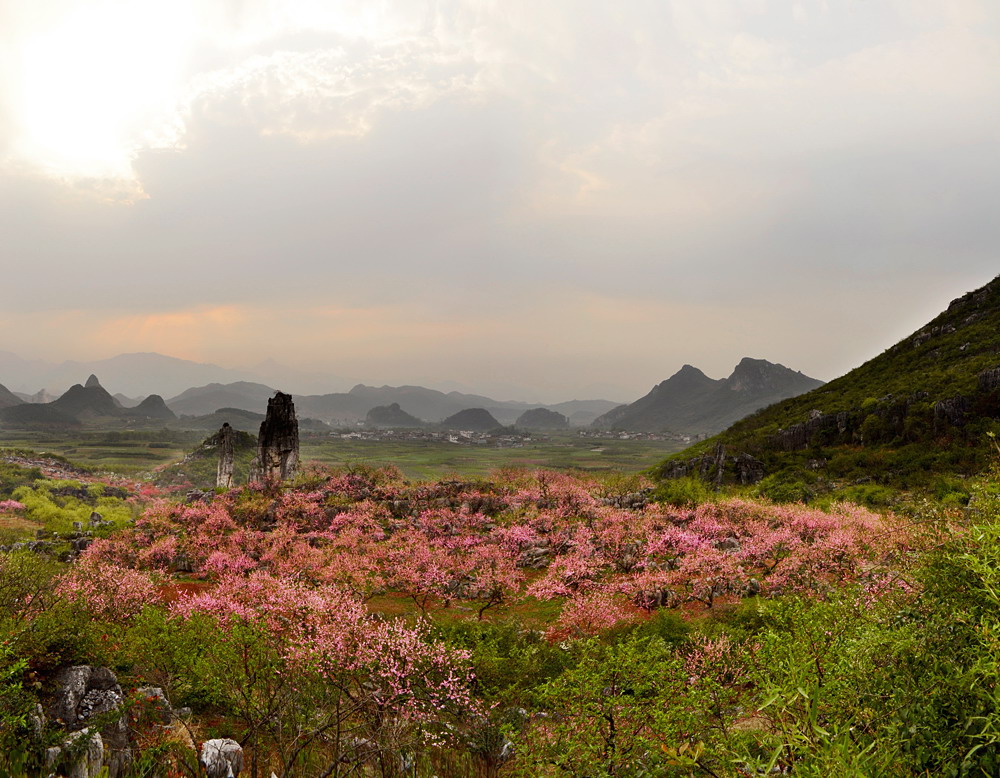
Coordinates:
(138, 452)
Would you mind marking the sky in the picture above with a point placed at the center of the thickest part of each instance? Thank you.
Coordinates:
(535, 200)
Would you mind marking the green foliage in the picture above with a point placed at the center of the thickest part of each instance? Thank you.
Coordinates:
(57, 504)
(821, 673)
(13, 476)
(624, 709)
(872, 496)
(666, 625)
(686, 492)
(168, 653)
(15, 705)
(786, 486)
(509, 662)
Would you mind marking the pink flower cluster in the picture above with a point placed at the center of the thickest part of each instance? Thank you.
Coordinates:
(326, 630)
(110, 592)
(368, 532)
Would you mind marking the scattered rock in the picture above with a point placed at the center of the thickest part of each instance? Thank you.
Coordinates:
(83, 693)
(222, 758)
(535, 557)
(989, 380)
(728, 544)
(952, 411)
(630, 501)
(155, 704)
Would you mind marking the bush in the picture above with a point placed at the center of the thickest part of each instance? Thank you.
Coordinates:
(688, 492)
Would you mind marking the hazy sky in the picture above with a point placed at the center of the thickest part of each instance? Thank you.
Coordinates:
(572, 196)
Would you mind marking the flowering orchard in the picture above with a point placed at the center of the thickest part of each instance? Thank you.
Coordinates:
(545, 536)
(266, 606)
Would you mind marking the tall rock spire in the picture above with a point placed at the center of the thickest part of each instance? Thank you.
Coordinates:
(278, 442)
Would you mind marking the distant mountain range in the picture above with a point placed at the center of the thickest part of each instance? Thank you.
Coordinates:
(687, 402)
(199, 407)
(83, 404)
(417, 402)
(136, 375)
(691, 402)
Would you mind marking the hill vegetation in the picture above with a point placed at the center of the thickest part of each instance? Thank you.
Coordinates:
(541, 419)
(472, 419)
(918, 413)
(391, 416)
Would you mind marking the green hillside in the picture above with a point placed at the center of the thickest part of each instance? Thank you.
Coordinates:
(922, 408)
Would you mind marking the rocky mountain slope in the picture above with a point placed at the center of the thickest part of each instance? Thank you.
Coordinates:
(691, 402)
(921, 408)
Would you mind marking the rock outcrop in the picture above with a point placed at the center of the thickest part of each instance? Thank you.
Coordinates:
(86, 693)
(718, 468)
(277, 442)
(227, 457)
(222, 758)
(81, 755)
(989, 380)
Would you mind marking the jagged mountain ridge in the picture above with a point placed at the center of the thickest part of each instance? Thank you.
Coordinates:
(140, 374)
(88, 403)
(90, 400)
(691, 402)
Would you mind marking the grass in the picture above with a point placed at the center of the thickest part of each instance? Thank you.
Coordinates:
(127, 453)
(135, 453)
(431, 460)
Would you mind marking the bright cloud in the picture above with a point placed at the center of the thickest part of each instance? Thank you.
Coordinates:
(405, 183)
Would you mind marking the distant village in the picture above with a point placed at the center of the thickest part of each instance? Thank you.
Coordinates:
(500, 438)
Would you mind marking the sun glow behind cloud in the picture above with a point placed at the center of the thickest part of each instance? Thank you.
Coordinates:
(610, 163)
(89, 85)
(95, 83)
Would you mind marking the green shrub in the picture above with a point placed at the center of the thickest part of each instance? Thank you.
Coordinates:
(688, 492)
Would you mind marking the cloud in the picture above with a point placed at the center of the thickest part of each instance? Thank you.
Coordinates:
(471, 186)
